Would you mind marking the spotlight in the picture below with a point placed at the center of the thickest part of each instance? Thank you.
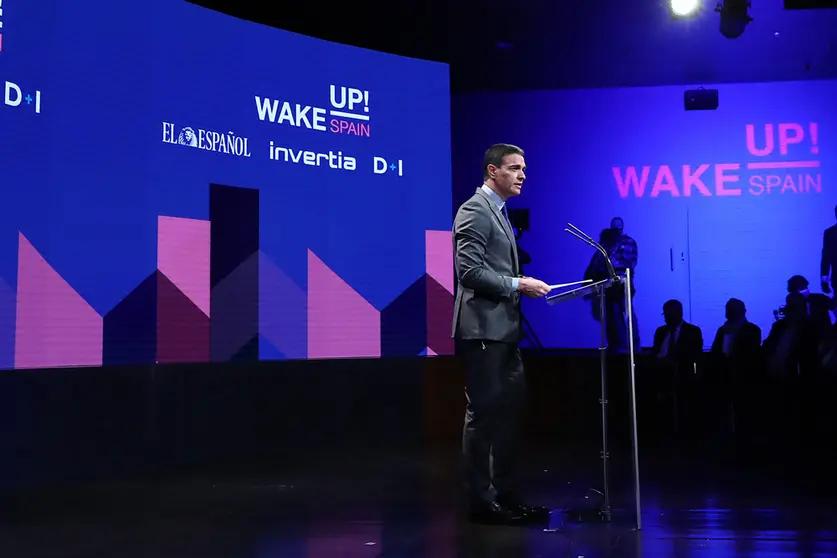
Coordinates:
(684, 8)
(735, 15)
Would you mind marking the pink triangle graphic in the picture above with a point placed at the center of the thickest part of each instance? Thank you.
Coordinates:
(438, 257)
(183, 256)
(341, 323)
(431, 352)
(54, 326)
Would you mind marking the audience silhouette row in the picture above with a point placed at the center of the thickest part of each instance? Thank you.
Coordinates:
(799, 341)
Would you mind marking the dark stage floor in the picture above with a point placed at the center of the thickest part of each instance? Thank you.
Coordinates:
(402, 506)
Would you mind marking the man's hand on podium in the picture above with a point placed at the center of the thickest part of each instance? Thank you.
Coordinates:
(533, 288)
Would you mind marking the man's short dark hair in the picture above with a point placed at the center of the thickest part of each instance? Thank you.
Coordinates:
(495, 155)
(797, 283)
(673, 304)
(736, 303)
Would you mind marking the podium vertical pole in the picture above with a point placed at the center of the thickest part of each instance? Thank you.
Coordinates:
(629, 305)
(606, 515)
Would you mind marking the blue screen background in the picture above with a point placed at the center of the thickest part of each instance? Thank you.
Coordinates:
(700, 250)
(86, 178)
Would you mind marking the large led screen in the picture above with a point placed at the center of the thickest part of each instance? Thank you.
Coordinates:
(180, 186)
(722, 204)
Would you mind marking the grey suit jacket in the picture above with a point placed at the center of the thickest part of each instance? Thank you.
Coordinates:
(485, 260)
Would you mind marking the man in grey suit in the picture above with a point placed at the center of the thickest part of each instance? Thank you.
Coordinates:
(486, 325)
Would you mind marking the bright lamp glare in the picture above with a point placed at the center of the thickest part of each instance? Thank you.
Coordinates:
(684, 7)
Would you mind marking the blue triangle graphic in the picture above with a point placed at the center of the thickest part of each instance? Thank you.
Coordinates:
(268, 352)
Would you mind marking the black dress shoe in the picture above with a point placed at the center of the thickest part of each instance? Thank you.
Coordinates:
(534, 513)
(495, 514)
(528, 513)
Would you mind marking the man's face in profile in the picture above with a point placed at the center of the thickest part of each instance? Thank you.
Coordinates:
(617, 224)
(509, 177)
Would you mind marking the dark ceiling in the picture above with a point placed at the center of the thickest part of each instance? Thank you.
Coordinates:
(416, 28)
(541, 44)
(490, 45)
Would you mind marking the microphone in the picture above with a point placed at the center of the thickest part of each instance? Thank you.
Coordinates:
(587, 239)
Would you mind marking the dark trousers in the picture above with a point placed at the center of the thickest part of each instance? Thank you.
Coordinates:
(495, 391)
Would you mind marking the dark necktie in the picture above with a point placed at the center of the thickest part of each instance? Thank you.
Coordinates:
(506, 221)
(510, 231)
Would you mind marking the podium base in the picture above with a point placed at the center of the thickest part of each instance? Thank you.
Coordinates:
(589, 516)
(593, 507)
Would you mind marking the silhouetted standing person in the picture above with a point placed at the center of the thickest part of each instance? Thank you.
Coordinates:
(828, 262)
(597, 270)
(624, 255)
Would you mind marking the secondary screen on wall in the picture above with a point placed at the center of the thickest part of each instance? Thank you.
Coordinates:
(722, 204)
(178, 185)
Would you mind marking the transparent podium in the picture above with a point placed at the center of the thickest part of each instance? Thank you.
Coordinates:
(603, 512)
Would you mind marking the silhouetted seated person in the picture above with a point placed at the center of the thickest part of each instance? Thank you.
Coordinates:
(678, 346)
(818, 306)
(731, 379)
(792, 353)
(677, 343)
(738, 341)
(791, 345)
